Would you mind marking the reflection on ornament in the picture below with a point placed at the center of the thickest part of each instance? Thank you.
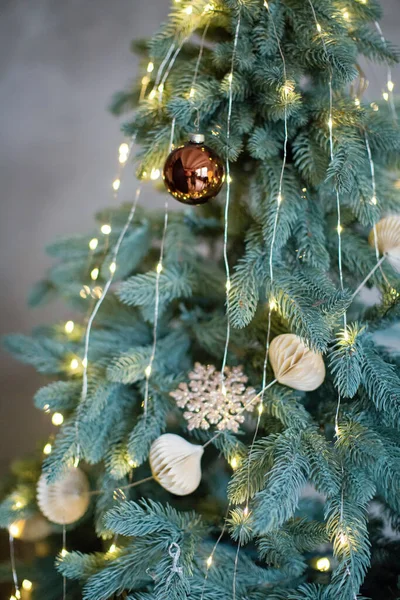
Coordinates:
(32, 529)
(67, 499)
(176, 464)
(193, 173)
(388, 238)
(294, 364)
(211, 400)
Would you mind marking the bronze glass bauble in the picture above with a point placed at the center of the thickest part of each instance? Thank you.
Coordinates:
(193, 173)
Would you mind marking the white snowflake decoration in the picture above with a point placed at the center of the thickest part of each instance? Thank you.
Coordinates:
(210, 401)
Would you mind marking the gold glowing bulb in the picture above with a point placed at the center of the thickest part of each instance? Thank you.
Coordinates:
(46, 408)
(152, 95)
(159, 268)
(234, 463)
(330, 123)
(390, 86)
(132, 463)
(230, 77)
(385, 96)
(27, 585)
(357, 101)
(374, 106)
(374, 200)
(94, 242)
(155, 174)
(106, 229)
(47, 449)
(147, 371)
(319, 28)
(150, 67)
(122, 158)
(228, 285)
(69, 326)
(192, 93)
(260, 408)
(346, 15)
(323, 564)
(246, 511)
(57, 419)
(74, 364)
(84, 363)
(113, 267)
(209, 561)
(124, 148)
(64, 552)
(15, 529)
(188, 10)
(339, 229)
(116, 184)
(279, 199)
(94, 273)
(112, 548)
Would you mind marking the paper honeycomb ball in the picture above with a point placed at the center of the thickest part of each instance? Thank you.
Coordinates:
(388, 239)
(176, 464)
(294, 364)
(67, 499)
(193, 173)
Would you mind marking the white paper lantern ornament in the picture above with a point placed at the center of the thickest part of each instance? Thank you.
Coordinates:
(176, 464)
(388, 239)
(294, 364)
(66, 500)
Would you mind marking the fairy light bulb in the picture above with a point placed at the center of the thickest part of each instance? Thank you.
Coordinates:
(112, 548)
(47, 449)
(228, 285)
(64, 552)
(260, 408)
(27, 585)
(84, 363)
(159, 268)
(374, 200)
(46, 408)
(69, 326)
(192, 93)
(105, 229)
(147, 371)
(94, 273)
(124, 148)
(230, 77)
(155, 174)
(116, 184)
(323, 564)
(374, 106)
(188, 10)
(330, 123)
(145, 80)
(339, 229)
(150, 67)
(113, 267)
(74, 364)
(161, 88)
(385, 96)
(279, 199)
(357, 101)
(15, 530)
(57, 419)
(246, 511)
(234, 463)
(346, 15)
(319, 28)
(152, 95)
(94, 242)
(209, 561)
(390, 86)
(272, 304)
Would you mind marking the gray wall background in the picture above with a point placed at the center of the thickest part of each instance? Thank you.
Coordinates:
(60, 63)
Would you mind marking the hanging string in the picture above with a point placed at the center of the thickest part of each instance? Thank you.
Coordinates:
(17, 592)
(227, 199)
(389, 82)
(210, 559)
(63, 553)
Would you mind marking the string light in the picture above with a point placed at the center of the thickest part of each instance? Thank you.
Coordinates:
(27, 585)
(152, 94)
(339, 229)
(272, 304)
(260, 408)
(15, 529)
(323, 564)
(64, 552)
(47, 449)
(357, 101)
(385, 96)
(147, 371)
(69, 326)
(57, 419)
(209, 561)
(246, 511)
(94, 273)
(346, 14)
(124, 147)
(188, 10)
(159, 268)
(106, 229)
(234, 463)
(150, 69)
(113, 267)
(112, 548)
(155, 174)
(390, 86)
(374, 106)
(116, 184)
(46, 408)
(74, 364)
(319, 28)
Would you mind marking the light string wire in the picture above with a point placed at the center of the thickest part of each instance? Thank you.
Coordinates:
(13, 566)
(159, 268)
(389, 82)
(63, 553)
(228, 198)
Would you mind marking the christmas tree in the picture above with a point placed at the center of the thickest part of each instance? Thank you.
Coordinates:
(228, 414)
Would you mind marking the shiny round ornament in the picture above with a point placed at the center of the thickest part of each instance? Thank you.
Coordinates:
(176, 464)
(193, 173)
(388, 239)
(294, 364)
(67, 499)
